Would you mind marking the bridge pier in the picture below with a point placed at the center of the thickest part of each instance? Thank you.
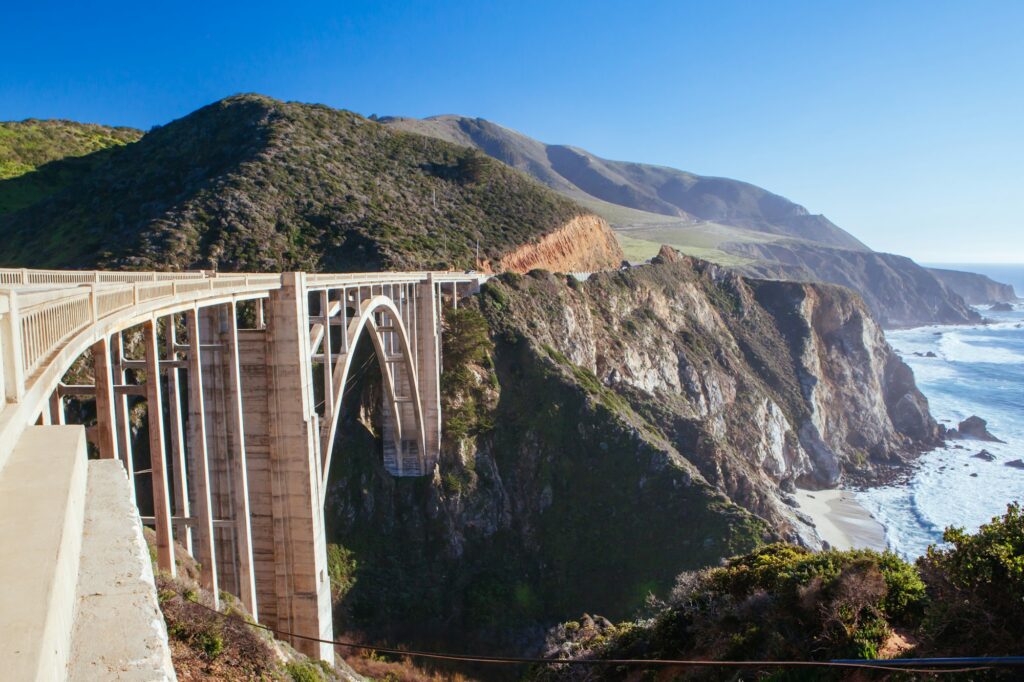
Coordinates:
(428, 364)
(302, 588)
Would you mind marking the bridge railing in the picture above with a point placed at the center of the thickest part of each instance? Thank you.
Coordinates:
(24, 276)
(42, 309)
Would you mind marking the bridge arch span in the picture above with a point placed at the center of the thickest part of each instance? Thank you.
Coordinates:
(382, 318)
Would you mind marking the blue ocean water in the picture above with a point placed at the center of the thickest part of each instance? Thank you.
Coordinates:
(977, 370)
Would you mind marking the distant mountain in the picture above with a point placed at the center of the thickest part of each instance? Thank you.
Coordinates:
(727, 221)
(251, 183)
(976, 289)
(27, 147)
(654, 189)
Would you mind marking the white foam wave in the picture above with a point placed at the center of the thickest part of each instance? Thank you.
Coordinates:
(956, 348)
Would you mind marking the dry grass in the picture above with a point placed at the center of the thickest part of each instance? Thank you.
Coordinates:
(404, 669)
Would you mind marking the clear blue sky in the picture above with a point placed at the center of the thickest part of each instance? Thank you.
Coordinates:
(901, 121)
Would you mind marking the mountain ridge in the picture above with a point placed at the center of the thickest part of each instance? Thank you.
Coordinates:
(657, 189)
(728, 221)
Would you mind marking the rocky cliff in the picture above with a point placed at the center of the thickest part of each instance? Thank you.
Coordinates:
(974, 288)
(898, 291)
(584, 244)
(607, 434)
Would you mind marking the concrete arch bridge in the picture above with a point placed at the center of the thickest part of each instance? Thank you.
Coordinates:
(243, 377)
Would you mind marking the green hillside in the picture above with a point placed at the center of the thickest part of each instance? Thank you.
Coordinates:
(251, 183)
(27, 147)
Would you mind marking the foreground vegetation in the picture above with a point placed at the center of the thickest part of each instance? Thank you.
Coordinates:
(782, 602)
(210, 645)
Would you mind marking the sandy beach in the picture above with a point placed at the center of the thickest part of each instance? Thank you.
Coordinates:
(840, 520)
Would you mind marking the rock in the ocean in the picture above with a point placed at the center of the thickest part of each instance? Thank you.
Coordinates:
(974, 427)
(1001, 307)
(1016, 464)
(985, 455)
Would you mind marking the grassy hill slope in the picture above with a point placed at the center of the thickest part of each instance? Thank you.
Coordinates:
(27, 147)
(251, 183)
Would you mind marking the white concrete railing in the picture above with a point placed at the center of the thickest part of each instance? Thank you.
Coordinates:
(35, 320)
(25, 276)
(48, 322)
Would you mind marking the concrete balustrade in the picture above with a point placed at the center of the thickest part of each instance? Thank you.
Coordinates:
(239, 477)
(42, 503)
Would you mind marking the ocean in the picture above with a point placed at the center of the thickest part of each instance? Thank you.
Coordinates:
(977, 370)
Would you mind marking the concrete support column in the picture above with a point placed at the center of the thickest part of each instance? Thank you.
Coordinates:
(106, 428)
(216, 402)
(238, 470)
(57, 415)
(122, 424)
(206, 551)
(157, 453)
(302, 586)
(182, 533)
(428, 362)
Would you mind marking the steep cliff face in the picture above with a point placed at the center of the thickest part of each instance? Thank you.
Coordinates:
(621, 429)
(865, 410)
(585, 243)
(974, 288)
(899, 292)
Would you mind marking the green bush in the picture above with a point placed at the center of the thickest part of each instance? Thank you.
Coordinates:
(784, 601)
(211, 642)
(341, 569)
(976, 586)
(305, 671)
(466, 346)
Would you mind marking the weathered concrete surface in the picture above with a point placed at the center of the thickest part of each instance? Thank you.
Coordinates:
(119, 632)
(42, 498)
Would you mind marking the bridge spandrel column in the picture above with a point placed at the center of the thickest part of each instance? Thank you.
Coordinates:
(106, 427)
(428, 361)
(157, 452)
(218, 446)
(302, 586)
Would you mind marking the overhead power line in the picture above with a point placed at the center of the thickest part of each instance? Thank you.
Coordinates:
(909, 665)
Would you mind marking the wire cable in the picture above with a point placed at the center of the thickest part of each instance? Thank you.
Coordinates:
(890, 665)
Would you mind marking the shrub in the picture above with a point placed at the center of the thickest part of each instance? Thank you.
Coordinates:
(466, 346)
(977, 588)
(817, 605)
(305, 671)
(341, 569)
